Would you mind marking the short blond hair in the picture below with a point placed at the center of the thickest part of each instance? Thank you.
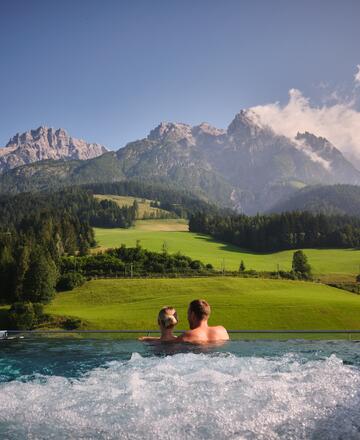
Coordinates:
(168, 317)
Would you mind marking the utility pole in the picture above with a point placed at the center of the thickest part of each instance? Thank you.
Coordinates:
(131, 270)
(223, 266)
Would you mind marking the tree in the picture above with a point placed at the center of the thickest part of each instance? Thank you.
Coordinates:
(300, 265)
(136, 208)
(7, 274)
(165, 247)
(22, 266)
(242, 266)
(22, 316)
(41, 277)
(70, 280)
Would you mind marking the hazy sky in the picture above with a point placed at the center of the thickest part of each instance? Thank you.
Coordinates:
(109, 71)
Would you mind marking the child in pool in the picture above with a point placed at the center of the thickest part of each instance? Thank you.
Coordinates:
(167, 320)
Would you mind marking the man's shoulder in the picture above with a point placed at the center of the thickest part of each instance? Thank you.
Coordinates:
(220, 331)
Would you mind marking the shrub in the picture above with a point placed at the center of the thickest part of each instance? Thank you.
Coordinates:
(196, 265)
(70, 280)
(39, 312)
(251, 273)
(22, 316)
(287, 275)
(72, 323)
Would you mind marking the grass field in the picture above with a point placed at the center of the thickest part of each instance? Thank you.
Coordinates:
(237, 303)
(339, 264)
(144, 208)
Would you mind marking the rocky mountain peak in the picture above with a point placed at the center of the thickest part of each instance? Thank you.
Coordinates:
(45, 143)
(171, 131)
(206, 129)
(316, 142)
(246, 124)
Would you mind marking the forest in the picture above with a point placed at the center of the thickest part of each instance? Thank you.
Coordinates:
(37, 229)
(180, 202)
(274, 232)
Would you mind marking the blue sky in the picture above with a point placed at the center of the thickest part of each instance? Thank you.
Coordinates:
(109, 71)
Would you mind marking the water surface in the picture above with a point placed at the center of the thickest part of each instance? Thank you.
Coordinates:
(101, 389)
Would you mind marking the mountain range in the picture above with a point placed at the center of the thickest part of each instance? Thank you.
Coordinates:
(247, 166)
(45, 143)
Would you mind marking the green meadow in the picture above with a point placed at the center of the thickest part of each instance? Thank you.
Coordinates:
(237, 303)
(326, 263)
(144, 208)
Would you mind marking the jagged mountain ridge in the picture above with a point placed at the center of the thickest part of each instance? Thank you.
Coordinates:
(46, 143)
(248, 166)
(257, 165)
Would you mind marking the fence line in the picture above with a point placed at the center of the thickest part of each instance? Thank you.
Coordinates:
(40, 332)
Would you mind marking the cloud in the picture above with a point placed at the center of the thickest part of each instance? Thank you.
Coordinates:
(338, 122)
(357, 76)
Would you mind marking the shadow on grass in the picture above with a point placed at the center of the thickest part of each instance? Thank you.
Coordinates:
(233, 248)
(230, 247)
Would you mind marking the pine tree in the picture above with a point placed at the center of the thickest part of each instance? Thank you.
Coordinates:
(165, 247)
(7, 274)
(242, 266)
(22, 266)
(300, 265)
(40, 278)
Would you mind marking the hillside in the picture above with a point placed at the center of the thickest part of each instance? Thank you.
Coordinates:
(247, 166)
(51, 174)
(334, 199)
(236, 303)
(144, 208)
(339, 264)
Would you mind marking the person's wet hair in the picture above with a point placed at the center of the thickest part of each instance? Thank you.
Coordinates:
(200, 308)
(168, 317)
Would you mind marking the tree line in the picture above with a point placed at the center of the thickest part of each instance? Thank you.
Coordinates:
(274, 232)
(37, 229)
(128, 262)
(180, 202)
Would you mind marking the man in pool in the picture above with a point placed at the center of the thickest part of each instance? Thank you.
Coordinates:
(200, 332)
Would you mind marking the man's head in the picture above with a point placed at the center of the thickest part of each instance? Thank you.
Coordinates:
(199, 310)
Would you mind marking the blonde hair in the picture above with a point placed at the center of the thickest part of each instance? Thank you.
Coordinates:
(168, 317)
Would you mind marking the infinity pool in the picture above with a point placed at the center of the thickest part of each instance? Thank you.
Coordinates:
(83, 389)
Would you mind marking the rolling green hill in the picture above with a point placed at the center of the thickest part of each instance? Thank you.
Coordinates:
(145, 210)
(237, 303)
(338, 263)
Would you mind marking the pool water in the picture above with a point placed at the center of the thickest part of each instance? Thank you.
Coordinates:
(101, 389)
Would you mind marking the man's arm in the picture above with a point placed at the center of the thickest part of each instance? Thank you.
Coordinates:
(148, 338)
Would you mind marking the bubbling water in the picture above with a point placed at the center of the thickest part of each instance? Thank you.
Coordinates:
(189, 396)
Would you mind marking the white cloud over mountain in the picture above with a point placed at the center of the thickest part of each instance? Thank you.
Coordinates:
(338, 122)
(357, 75)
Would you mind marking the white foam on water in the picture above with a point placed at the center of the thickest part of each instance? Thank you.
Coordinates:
(189, 396)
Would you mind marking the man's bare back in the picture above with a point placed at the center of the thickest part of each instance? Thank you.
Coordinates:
(201, 332)
(205, 334)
